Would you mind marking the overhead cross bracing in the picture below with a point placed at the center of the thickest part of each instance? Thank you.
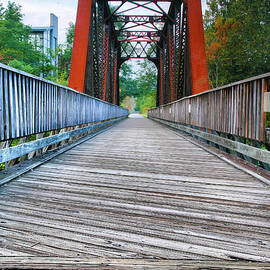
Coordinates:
(169, 33)
(139, 26)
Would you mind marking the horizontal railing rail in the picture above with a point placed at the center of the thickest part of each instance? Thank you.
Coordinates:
(37, 116)
(236, 109)
(12, 153)
(32, 105)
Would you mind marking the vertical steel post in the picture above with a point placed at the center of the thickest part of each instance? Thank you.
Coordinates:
(161, 78)
(171, 61)
(115, 63)
(80, 46)
(197, 53)
(119, 63)
(158, 86)
(105, 62)
(118, 87)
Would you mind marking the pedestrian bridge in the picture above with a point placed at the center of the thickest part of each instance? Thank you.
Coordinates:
(84, 186)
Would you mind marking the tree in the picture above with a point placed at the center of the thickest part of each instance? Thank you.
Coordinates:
(65, 50)
(16, 46)
(141, 85)
(129, 103)
(147, 86)
(64, 53)
(237, 36)
(147, 78)
(128, 82)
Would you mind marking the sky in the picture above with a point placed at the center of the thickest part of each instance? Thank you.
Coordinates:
(37, 12)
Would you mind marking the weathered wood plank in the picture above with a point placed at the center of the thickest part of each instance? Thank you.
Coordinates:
(111, 197)
(29, 105)
(20, 104)
(90, 263)
(26, 148)
(234, 243)
(2, 126)
(240, 103)
(6, 106)
(253, 152)
(267, 102)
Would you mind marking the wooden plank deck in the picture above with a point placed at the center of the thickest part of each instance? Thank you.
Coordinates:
(137, 191)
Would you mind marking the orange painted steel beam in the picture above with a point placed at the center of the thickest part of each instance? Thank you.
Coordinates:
(80, 46)
(114, 77)
(171, 57)
(161, 79)
(197, 53)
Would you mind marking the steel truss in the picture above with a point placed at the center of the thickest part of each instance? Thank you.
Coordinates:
(158, 33)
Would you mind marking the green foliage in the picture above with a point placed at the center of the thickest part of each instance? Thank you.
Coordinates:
(147, 85)
(128, 82)
(268, 120)
(2, 166)
(141, 86)
(21, 66)
(128, 103)
(18, 50)
(16, 46)
(60, 78)
(147, 78)
(65, 52)
(237, 36)
(144, 103)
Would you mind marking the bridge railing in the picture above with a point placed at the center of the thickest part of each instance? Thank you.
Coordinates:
(236, 111)
(30, 105)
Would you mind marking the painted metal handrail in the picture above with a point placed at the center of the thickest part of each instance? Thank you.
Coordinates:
(236, 109)
(31, 105)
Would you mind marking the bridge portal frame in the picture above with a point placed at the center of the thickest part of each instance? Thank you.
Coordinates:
(177, 50)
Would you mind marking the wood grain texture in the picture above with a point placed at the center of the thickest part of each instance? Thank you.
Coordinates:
(245, 149)
(31, 105)
(121, 264)
(237, 109)
(26, 148)
(136, 196)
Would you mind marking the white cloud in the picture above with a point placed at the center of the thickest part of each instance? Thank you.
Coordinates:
(37, 13)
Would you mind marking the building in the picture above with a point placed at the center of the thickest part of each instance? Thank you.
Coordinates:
(46, 38)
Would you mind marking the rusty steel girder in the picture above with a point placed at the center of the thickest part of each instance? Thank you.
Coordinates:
(169, 33)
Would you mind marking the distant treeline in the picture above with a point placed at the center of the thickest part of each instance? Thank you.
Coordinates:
(237, 34)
